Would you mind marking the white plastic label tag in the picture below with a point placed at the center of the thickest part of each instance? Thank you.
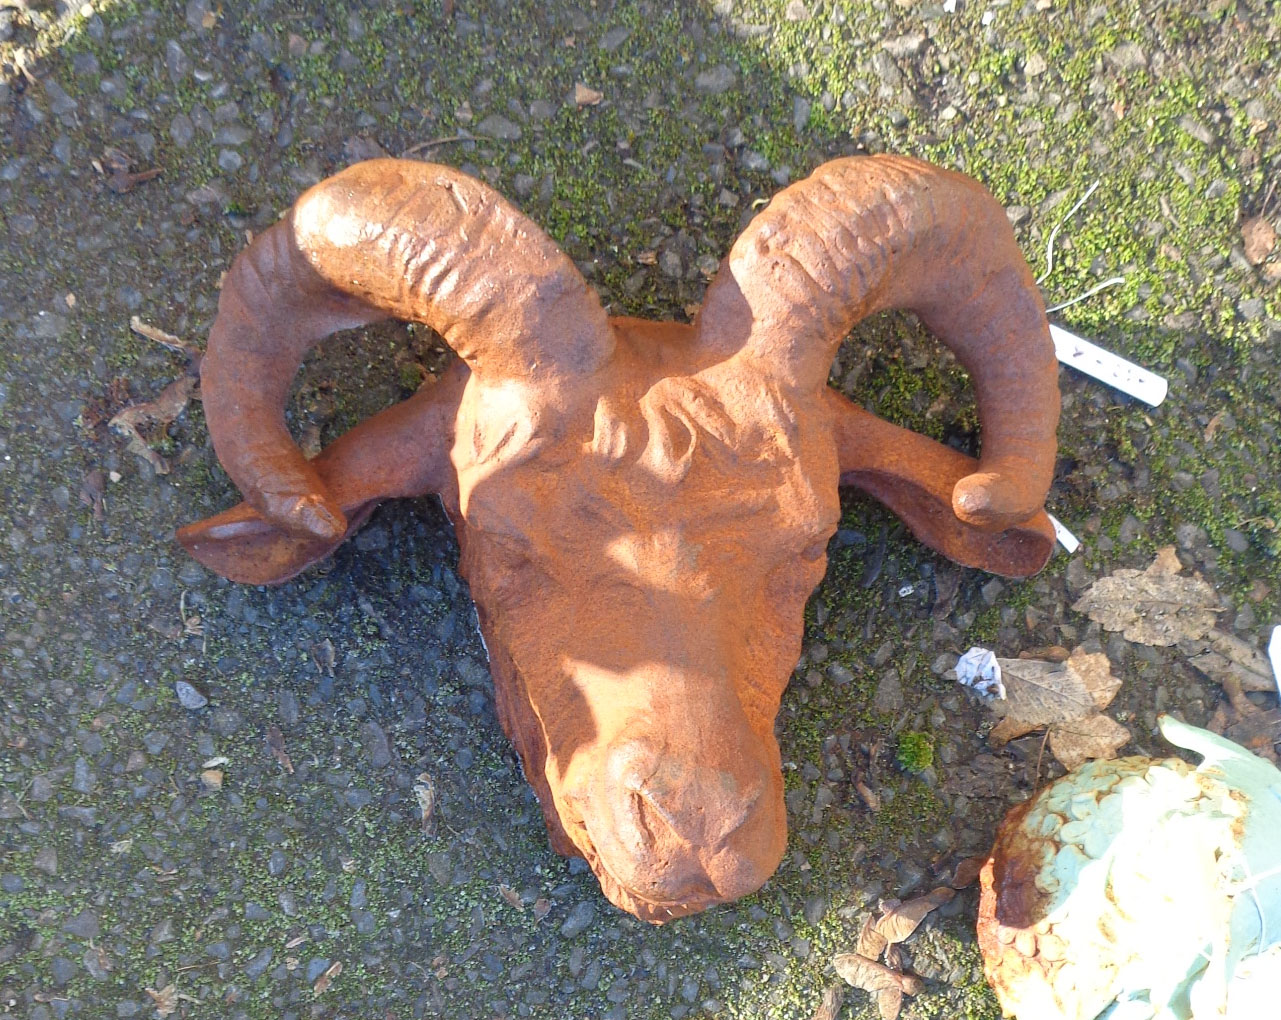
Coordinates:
(1066, 539)
(1107, 367)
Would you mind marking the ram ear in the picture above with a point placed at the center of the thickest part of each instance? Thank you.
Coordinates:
(402, 451)
(243, 547)
(866, 234)
(915, 477)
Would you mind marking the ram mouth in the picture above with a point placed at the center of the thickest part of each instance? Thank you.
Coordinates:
(647, 908)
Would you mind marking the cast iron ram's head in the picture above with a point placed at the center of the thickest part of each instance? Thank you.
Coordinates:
(643, 508)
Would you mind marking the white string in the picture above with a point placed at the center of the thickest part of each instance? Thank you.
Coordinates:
(1049, 247)
(1114, 281)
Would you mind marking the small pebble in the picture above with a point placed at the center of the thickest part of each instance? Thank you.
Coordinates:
(188, 697)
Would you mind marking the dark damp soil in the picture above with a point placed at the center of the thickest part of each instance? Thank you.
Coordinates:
(123, 872)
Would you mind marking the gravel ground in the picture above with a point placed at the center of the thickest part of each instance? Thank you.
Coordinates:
(135, 882)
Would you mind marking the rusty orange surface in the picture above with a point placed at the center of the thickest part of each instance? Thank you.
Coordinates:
(643, 508)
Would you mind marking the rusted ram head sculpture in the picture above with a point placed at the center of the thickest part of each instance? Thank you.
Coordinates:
(643, 508)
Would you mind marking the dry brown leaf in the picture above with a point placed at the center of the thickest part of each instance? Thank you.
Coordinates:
(894, 957)
(212, 779)
(323, 982)
(1226, 659)
(1258, 730)
(165, 1000)
(542, 907)
(871, 943)
(511, 896)
(901, 921)
(1260, 238)
(586, 96)
(1042, 694)
(829, 1006)
(967, 871)
(868, 795)
(1095, 672)
(1096, 736)
(1212, 427)
(871, 976)
(425, 794)
(171, 402)
(324, 656)
(1166, 563)
(276, 744)
(164, 339)
(1153, 607)
(889, 1003)
(1039, 693)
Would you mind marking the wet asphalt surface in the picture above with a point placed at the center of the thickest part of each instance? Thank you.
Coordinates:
(211, 795)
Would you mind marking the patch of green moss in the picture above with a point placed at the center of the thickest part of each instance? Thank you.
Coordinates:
(915, 751)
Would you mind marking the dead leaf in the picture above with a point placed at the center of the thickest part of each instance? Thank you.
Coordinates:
(1212, 427)
(512, 897)
(122, 183)
(829, 1007)
(1038, 693)
(899, 923)
(1257, 731)
(1053, 653)
(92, 491)
(1096, 736)
(868, 795)
(1167, 562)
(212, 779)
(871, 976)
(542, 907)
(1054, 696)
(871, 943)
(171, 402)
(1225, 658)
(276, 744)
(584, 96)
(889, 1003)
(894, 956)
(322, 983)
(425, 794)
(1157, 606)
(324, 656)
(166, 340)
(1260, 238)
(1095, 672)
(165, 1000)
(967, 871)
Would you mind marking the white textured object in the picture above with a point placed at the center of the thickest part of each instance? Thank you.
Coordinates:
(978, 670)
(1107, 367)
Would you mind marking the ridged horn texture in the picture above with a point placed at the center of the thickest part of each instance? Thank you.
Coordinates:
(385, 238)
(862, 235)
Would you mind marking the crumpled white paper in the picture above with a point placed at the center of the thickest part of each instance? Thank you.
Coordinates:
(978, 670)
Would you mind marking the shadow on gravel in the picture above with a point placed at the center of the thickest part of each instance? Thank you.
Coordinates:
(333, 823)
